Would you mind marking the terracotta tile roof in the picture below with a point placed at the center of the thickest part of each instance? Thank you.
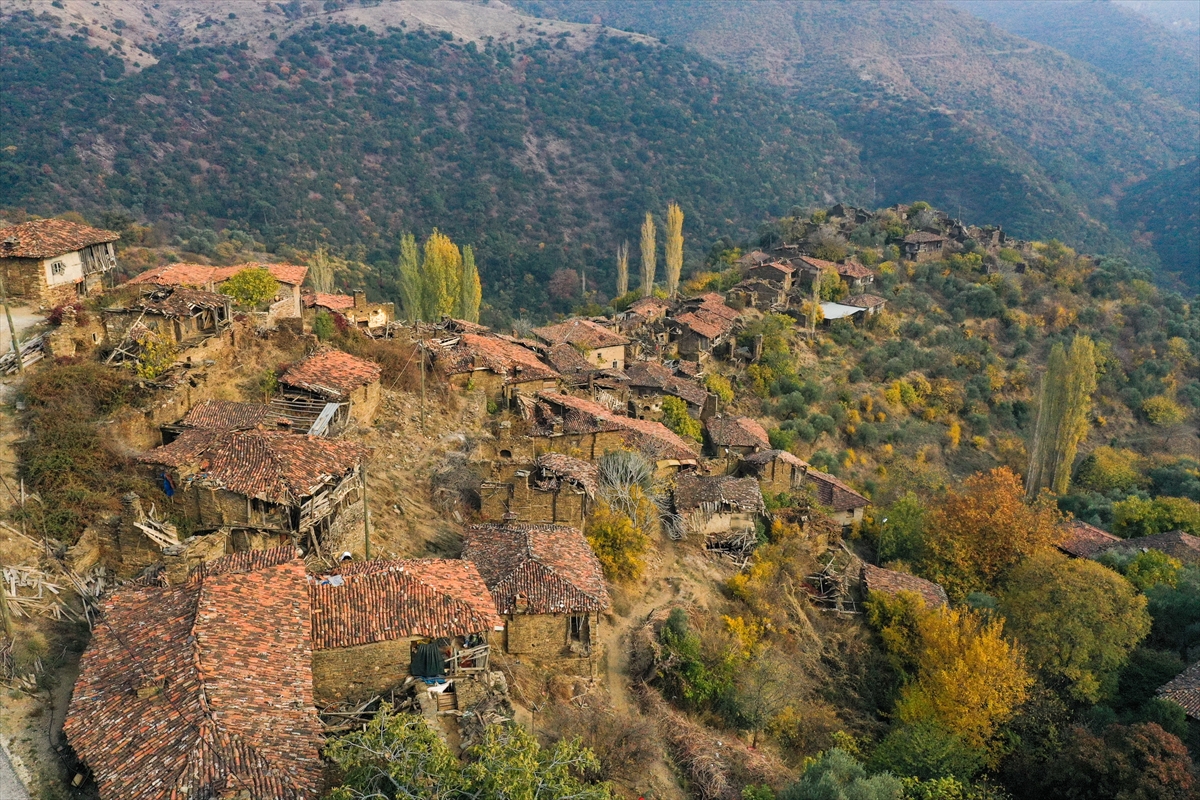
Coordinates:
(652, 375)
(202, 690)
(764, 457)
(853, 269)
(583, 473)
(584, 416)
(225, 415)
(1083, 540)
(778, 267)
(581, 333)
(890, 582)
(380, 601)
(754, 258)
(708, 328)
(923, 237)
(1184, 689)
(714, 304)
(833, 493)
(1176, 544)
(552, 566)
(719, 492)
(332, 302)
(649, 307)
(179, 301)
(274, 466)
(331, 374)
(865, 300)
(463, 326)
(45, 238)
(516, 363)
(817, 264)
(569, 361)
(689, 369)
(184, 274)
(737, 432)
(245, 561)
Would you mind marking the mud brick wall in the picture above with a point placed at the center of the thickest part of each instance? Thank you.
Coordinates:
(346, 530)
(544, 637)
(493, 500)
(364, 402)
(359, 673)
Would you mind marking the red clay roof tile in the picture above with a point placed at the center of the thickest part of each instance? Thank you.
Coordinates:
(891, 582)
(331, 374)
(737, 432)
(46, 238)
(581, 333)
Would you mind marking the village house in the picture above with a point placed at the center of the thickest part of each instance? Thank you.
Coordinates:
(777, 471)
(354, 309)
(1081, 540)
(891, 583)
(717, 505)
(557, 488)
(922, 246)
(872, 304)
(732, 437)
(375, 623)
(173, 315)
(286, 305)
(779, 273)
(331, 376)
(203, 689)
(598, 344)
(856, 276)
(567, 424)
(48, 263)
(704, 325)
(755, 258)
(846, 504)
(498, 366)
(650, 382)
(605, 384)
(548, 586)
(1184, 691)
(1176, 544)
(304, 486)
(760, 294)
(832, 312)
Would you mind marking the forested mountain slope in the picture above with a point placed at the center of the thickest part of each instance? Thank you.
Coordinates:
(943, 105)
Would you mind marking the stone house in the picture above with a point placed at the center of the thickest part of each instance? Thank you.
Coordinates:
(760, 294)
(548, 586)
(307, 487)
(203, 689)
(755, 258)
(604, 384)
(704, 326)
(286, 305)
(1176, 544)
(1184, 690)
(776, 272)
(650, 382)
(922, 246)
(716, 505)
(872, 304)
(731, 437)
(777, 471)
(598, 344)
(892, 583)
(371, 620)
(175, 314)
(857, 276)
(566, 424)
(499, 366)
(642, 312)
(1081, 540)
(47, 263)
(354, 309)
(332, 376)
(557, 488)
(847, 505)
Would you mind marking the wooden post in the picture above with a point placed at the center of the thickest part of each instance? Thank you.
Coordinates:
(421, 350)
(366, 517)
(12, 329)
(4, 618)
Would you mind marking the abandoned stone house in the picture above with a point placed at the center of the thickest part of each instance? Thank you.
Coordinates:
(203, 689)
(331, 376)
(650, 382)
(174, 315)
(857, 276)
(556, 488)
(1081, 540)
(755, 258)
(598, 344)
(1181, 546)
(576, 372)
(374, 623)
(306, 487)
(643, 312)
(922, 246)
(48, 263)
(871, 304)
(779, 273)
(846, 504)
(704, 326)
(1184, 691)
(497, 366)
(353, 308)
(548, 586)
(286, 305)
(777, 471)
(733, 437)
(715, 505)
(891, 583)
(566, 424)
(760, 294)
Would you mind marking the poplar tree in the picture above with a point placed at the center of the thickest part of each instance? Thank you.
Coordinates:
(649, 256)
(1066, 400)
(470, 291)
(674, 248)
(441, 272)
(320, 271)
(411, 283)
(623, 269)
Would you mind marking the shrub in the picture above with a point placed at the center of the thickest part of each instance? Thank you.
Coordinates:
(323, 326)
(1164, 411)
(251, 287)
(677, 418)
(620, 546)
(927, 751)
(156, 357)
(720, 386)
(836, 775)
(1136, 516)
(1107, 469)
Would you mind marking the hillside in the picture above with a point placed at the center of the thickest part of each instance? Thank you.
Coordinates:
(1058, 136)
(1166, 209)
(544, 155)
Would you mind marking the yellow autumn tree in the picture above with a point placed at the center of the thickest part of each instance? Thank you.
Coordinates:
(441, 273)
(970, 679)
(674, 248)
(620, 545)
(470, 291)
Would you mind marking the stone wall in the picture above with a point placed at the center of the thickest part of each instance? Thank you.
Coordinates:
(359, 673)
(364, 402)
(546, 636)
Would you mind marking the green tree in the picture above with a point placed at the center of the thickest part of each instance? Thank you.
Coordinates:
(900, 531)
(1077, 620)
(1122, 763)
(836, 775)
(928, 751)
(649, 255)
(1151, 568)
(412, 291)
(1063, 408)
(674, 248)
(1107, 469)
(250, 288)
(441, 273)
(719, 385)
(620, 546)
(156, 355)
(324, 326)
(1136, 516)
(677, 418)
(831, 286)
(470, 291)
